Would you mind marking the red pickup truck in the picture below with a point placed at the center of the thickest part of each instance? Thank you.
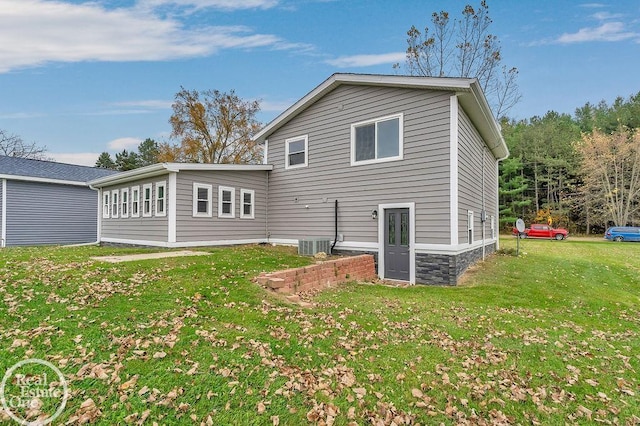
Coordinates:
(542, 231)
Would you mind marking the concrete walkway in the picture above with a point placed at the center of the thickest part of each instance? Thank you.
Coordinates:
(145, 256)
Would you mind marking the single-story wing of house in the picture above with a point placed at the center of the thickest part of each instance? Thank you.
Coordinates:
(45, 202)
(405, 168)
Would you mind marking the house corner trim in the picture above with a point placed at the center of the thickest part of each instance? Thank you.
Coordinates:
(172, 208)
(453, 169)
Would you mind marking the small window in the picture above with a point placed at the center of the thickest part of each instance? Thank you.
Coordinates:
(146, 200)
(161, 197)
(296, 152)
(247, 199)
(226, 202)
(135, 201)
(202, 200)
(114, 204)
(105, 204)
(377, 140)
(470, 225)
(124, 200)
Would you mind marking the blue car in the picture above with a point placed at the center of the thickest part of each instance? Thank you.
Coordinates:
(623, 233)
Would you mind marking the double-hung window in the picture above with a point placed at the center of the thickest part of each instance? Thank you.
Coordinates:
(146, 200)
(377, 140)
(114, 203)
(226, 201)
(161, 198)
(296, 152)
(135, 201)
(247, 197)
(124, 200)
(202, 200)
(105, 204)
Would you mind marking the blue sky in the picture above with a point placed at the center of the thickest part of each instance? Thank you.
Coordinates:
(84, 77)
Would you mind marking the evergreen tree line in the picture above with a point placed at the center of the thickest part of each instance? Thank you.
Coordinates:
(581, 172)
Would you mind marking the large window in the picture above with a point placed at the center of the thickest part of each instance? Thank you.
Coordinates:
(114, 203)
(296, 151)
(247, 200)
(377, 140)
(161, 198)
(135, 201)
(146, 200)
(105, 204)
(202, 200)
(226, 201)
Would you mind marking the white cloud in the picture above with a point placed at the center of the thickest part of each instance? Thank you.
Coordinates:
(124, 143)
(150, 104)
(275, 106)
(367, 60)
(609, 31)
(216, 4)
(35, 32)
(81, 158)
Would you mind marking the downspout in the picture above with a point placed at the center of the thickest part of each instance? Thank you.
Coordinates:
(335, 217)
(266, 211)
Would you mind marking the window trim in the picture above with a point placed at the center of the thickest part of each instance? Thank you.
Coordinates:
(115, 203)
(209, 188)
(161, 213)
(124, 202)
(400, 117)
(146, 213)
(231, 215)
(135, 200)
(288, 141)
(243, 215)
(106, 204)
(470, 226)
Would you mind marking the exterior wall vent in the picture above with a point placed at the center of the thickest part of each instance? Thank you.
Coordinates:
(311, 246)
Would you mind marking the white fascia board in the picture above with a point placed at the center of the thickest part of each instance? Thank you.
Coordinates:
(43, 180)
(476, 105)
(177, 167)
(135, 174)
(162, 168)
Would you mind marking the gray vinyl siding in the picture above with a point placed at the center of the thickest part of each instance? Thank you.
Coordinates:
(138, 228)
(45, 213)
(301, 200)
(471, 152)
(189, 228)
(1, 218)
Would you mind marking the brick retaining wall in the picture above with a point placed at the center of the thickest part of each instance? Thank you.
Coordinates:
(321, 275)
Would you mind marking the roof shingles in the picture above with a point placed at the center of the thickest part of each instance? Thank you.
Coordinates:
(15, 166)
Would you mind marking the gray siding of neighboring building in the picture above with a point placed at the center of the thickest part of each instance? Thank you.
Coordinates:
(46, 213)
(137, 228)
(471, 152)
(301, 200)
(189, 228)
(1, 218)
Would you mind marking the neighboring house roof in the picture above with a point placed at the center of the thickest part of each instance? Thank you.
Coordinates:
(48, 171)
(468, 90)
(163, 168)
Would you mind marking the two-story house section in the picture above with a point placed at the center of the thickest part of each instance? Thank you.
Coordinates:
(402, 167)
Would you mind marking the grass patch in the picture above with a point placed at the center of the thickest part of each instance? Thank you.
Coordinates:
(548, 337)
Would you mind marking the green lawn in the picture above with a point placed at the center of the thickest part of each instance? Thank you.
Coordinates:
(550, 337)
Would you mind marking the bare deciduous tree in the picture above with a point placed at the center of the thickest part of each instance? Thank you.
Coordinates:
(13, 146)
(464, 48)
(213, 127)
(611, 169)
